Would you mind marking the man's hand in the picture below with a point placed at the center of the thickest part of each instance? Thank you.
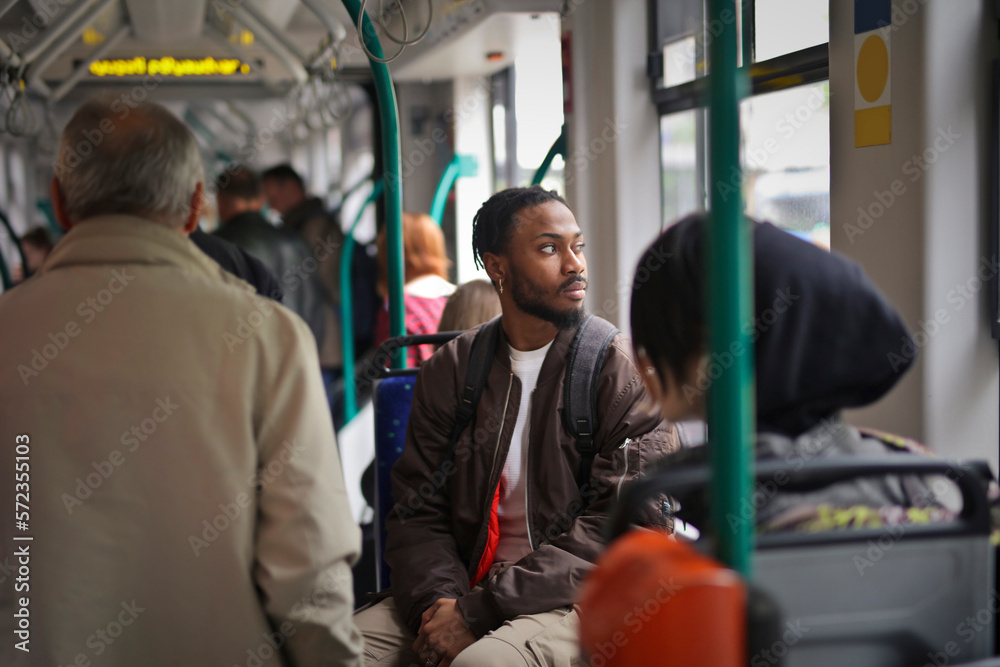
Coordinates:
(443, 634)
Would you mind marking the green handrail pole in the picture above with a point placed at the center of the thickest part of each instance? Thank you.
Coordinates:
(16, 240)
(347, 308)
(730, 294)
(385, 94)
(351, 190)
(448, 178)
(5, 278)
(558, 148)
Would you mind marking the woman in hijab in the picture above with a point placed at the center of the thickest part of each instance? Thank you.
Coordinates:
(824, 338)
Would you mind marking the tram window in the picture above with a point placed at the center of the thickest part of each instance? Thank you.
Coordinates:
(679, 65)
(785, 129)
(682, 189)
(538, 107)
(786, 159)
(784, 26)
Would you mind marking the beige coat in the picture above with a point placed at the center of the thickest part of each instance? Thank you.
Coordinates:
(186, 499)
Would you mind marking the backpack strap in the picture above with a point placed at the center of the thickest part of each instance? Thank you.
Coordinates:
(484, 346)
(583, 372)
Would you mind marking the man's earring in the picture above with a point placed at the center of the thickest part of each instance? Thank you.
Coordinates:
(500, 280)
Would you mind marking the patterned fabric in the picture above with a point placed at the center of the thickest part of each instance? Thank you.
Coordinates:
(421, 315)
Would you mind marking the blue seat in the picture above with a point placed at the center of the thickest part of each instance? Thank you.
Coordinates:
(393, 398)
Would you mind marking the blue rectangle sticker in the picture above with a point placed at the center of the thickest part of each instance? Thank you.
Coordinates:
(871, 15)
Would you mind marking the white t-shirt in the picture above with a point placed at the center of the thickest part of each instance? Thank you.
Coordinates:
(511, 509)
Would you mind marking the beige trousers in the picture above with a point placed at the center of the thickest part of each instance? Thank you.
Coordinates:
(548, 639)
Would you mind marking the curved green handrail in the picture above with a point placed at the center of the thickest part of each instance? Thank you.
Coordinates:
(385, 94)
(347, 308)
(558, 148)
(730, 302)
(448, 178)
(460, 165)
(5, 276)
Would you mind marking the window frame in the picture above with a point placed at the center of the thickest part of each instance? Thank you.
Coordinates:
(791, 70)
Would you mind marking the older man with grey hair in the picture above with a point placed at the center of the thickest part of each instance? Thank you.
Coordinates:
(168, 449)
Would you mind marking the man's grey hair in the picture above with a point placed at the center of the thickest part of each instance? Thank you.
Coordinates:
(137, 159)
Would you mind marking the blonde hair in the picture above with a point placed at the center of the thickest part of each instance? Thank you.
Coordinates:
(472, 303)
(423, 251)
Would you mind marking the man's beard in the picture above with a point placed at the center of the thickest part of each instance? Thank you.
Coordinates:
(529, 297)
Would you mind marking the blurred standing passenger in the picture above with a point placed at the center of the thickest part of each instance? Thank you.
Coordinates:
(240, 263)
(239, 199)
(36, 244)
(425, 282)
(307, 216)
(471, 304)
(187, 489)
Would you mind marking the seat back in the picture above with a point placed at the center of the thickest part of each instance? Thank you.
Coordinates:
(393, 398)
(898, 596)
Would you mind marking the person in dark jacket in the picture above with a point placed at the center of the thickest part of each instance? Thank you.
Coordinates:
(825, 339)
(239, 199)
(487, 549)
(240, 263)
(307, 217)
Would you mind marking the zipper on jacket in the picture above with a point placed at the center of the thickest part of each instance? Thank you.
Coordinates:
(621, 480)
(527, 464)
(503, 420)
(489, 497)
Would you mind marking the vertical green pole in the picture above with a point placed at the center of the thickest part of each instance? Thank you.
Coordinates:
(389, 122)
(730, 294)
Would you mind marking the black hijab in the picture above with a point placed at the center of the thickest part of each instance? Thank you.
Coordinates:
(825, 337)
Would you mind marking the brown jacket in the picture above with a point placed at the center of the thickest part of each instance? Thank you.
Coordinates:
(440, 526)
